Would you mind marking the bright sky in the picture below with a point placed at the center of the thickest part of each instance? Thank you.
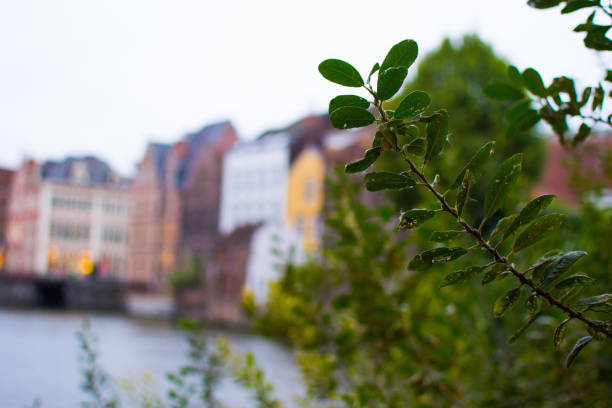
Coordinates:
(107, 76)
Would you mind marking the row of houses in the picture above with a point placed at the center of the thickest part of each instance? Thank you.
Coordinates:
(209, 200)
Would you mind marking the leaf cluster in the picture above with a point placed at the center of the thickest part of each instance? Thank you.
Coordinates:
(559, 101)
(406, 124)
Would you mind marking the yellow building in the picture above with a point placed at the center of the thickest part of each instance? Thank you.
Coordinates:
(305, 195)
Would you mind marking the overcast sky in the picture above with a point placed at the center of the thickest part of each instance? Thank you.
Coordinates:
(107, 76)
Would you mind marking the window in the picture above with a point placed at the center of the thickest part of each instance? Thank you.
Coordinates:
(310, 190)
(113, 234)
(72, 203)
(68, 231)
(299, 223)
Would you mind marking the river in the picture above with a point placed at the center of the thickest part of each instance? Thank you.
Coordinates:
(39, 358)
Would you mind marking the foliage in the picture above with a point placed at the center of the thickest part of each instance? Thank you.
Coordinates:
(140, 391)
(203, 373)
(540, 282)
(96, 382)
(453, 75)
(245, 371)
(367, 333)
(186, 276)
(361, 323)
(559, 101)
(193, 385)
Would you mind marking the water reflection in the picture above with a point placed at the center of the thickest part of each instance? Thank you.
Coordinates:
(38, 357)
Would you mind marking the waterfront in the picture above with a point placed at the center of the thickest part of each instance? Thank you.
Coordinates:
(38, 357)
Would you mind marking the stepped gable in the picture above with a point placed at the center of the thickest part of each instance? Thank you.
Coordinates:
(160, 154)
(98, 171)
(195, 142)
(307, 132)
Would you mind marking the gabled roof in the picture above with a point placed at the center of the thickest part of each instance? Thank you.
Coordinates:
(160, 153)
(98, 171)
(307, 132)
(195, 142)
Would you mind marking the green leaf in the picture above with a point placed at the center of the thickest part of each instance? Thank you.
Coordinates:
(475, 164)
(385, 138)
(502, 92)
(362, 164)
(463, 193)
(412, 105)
(580, 344)
(518, 110)
(559, 334)
(499, 187)
(416, 147)
(602, 307)
(402, 54)
(577, 5)
(412, 132)
(561, 264)
(502, 225)
(413, 218)
(375, 68)
(543, 4)
(515, 75)
(390, 81)
(596, 39)
(533, 82)
(521, 117)
(527, 121)
(347, 100)
(598, 98)
(383, 180)
(443, 236)
(540, 229)
(594, 300)
(575, 280)
(532, 303)
(427, 259)
(495, 273)
(582, 134)
(350, 117)
(531, 211)
(437, 132)
(461, 276)
(341, 73)
(539, 268)
(506, 302)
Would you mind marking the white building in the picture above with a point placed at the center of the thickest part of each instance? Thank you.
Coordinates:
(65, 217)
(272, 246)
(254, 182)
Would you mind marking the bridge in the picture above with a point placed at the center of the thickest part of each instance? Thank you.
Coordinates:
(31, 290)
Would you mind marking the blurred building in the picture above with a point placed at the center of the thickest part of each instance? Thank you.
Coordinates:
(277, 178)
(147, 205)
(273, 187)
(6, 176)
(67, 217)
(572, 173)
(175, 204)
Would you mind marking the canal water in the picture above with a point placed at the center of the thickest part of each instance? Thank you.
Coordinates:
(39, 359)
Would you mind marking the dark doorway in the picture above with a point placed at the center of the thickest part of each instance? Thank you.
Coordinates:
(51, 293)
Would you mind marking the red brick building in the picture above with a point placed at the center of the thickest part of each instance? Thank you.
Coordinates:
(175, 203)
(147, 205)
